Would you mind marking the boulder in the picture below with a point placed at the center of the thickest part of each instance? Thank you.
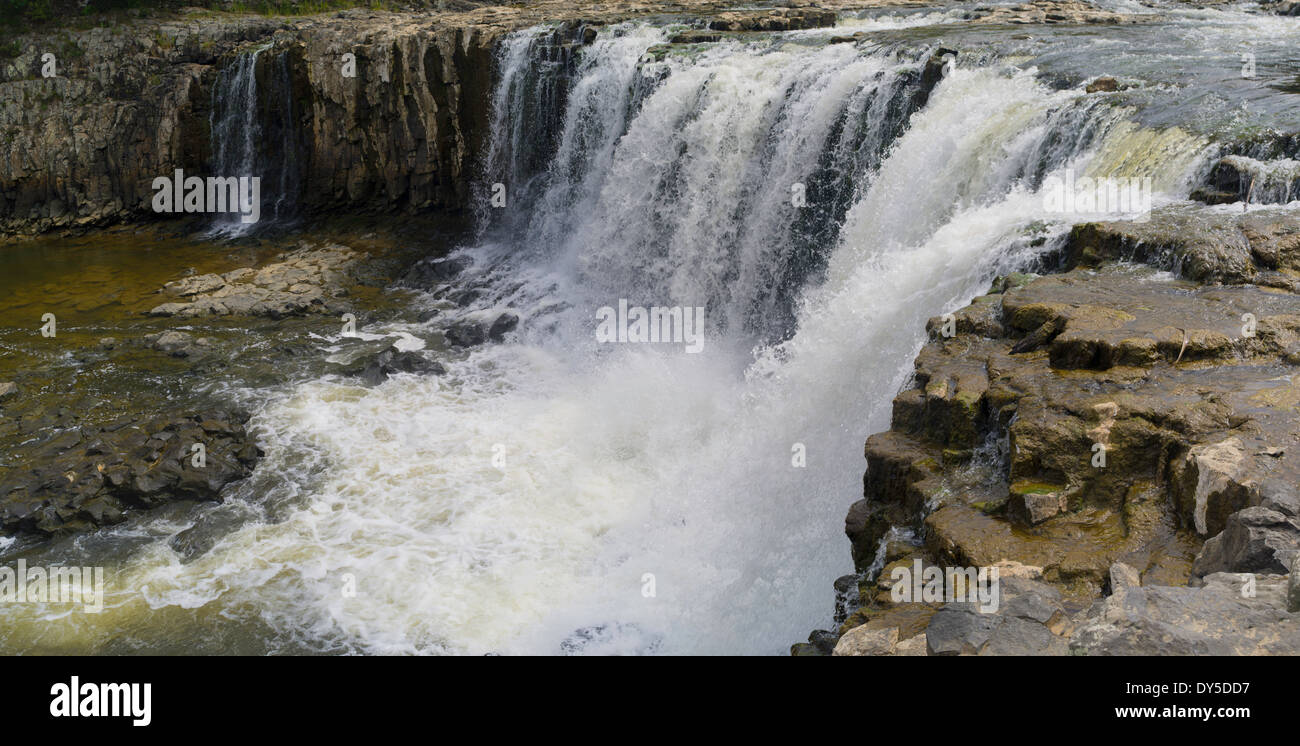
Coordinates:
(1256, 540)
(392, 360)
(867, 641)
(178, 344)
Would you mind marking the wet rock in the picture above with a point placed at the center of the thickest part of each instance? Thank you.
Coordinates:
(1203, 246)
(1237, 178)
(1034, 504)
(1102, 85)
(1256, 540)
(91, 476)
(428, 274)
(466, 334)
(1123, 577)
(936, 66)
(502, 325)
(178, 344)
(1047, 12)
(475, 332)
(695, 37)
(1212, 476)
(392, 361)
(780, 19)
(8, 389)
(195, 285)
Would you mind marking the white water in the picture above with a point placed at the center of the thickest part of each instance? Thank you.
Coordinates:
(627, 460)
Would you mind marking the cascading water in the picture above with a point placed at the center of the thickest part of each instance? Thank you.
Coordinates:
(532, 498)
(254, 132)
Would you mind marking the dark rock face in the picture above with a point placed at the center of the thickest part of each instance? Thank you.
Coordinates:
(392, 361)
(399, 132)
(429, 274)
(467, 334)
(503, 325)
(474, 333)
(397, 136)
(87, 477)
(1238, 178)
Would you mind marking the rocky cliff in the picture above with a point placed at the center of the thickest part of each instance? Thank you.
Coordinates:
(131, 103)
(1128, 423)
(383, 111)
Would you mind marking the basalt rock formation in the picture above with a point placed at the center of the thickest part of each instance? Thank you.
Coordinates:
(89, 476)
(1136, 411)
(133, 103)
(369, 111)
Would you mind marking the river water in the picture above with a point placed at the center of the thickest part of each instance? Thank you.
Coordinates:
(552, 494)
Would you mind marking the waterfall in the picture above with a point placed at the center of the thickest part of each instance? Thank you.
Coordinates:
(254, 131)
(551, 494)
(646, 500)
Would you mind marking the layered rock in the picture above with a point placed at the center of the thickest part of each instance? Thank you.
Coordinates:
(1113, 413)
(385, 111)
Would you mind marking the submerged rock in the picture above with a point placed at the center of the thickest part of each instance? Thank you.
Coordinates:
(474, 333)
(91, 476)
(428, 274)
(392, 361)
(1102, 85)
(178, 344)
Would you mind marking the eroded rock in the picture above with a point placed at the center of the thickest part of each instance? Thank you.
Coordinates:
(305, 280)
(90, 476)
(1223, 617)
